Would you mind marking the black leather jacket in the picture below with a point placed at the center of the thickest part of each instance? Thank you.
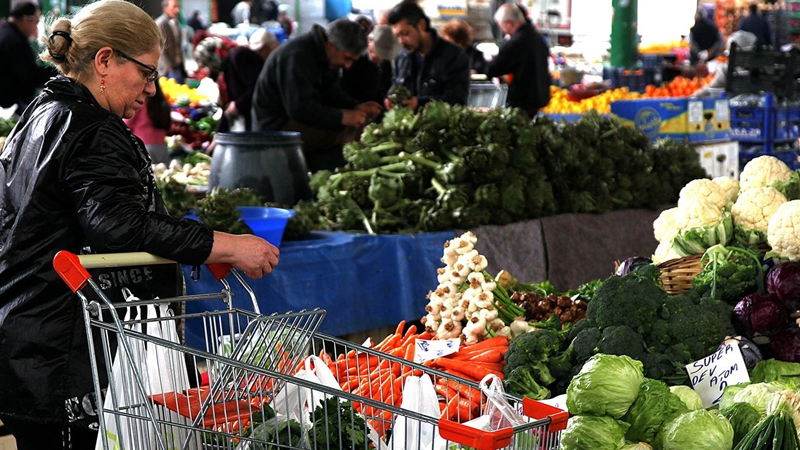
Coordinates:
(72, 175)
(443, 74)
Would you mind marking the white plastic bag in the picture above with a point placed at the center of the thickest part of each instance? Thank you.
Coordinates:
(500, 413)
(419, 396)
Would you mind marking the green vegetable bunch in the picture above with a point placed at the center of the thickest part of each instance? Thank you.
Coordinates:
(729, 273)
(449, 166)
(218, 211)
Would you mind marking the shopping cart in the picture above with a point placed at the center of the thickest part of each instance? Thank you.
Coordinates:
(252, 360)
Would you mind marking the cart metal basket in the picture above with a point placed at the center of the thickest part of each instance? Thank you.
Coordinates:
(252, 359)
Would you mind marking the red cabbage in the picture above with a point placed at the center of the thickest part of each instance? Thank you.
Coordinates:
(785, 346)
(628, 265)
(762, 314)
(783, 281)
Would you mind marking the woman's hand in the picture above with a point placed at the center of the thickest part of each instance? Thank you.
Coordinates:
(246, 252)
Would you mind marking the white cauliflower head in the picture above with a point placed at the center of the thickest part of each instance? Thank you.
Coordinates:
(730, 186)
(763, 171)
(696, 212)
(664, 252)
(783, 231)
(705, 189)
(755, 207)
(664, 226)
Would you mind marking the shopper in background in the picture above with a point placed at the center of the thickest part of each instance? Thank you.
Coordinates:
(523, 58)
(151, 124)
(196, 23)
(286, 22)
(171, 61)
(298, 90)
(74, 177)
(756, 23)
(20, 76)
(744, 41)
(240, 14)
(265, 11)
(430, 67)
(705, 40)
(459, 32)
(370, 77)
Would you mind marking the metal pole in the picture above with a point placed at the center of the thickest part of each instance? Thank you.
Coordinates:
(624, 37)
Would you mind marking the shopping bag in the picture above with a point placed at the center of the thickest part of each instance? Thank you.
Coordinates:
(296, 402)
(498, 410)
(419, 396)
(166, 372)
(123, 393)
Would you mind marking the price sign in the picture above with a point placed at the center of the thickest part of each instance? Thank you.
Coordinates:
(712, 374)
(425, 350)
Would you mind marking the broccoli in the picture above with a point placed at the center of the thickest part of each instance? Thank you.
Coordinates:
(692, 328)
(585, 344)
(622, 340)
(561, 366)
(630, 300)
(521, 382)
(533, 351)
(579, 326)
(729, 273)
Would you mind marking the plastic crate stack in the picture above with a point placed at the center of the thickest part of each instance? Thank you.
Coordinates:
(763, 70)
(764, 127)
(636, 80)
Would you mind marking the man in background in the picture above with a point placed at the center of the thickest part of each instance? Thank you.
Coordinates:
(523, 58)
(171, 61)
(430, 67)
(705, 40)
(20, 76)
(756, 23)
(298, 90)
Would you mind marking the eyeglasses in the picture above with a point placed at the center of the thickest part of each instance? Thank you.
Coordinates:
(152, 74)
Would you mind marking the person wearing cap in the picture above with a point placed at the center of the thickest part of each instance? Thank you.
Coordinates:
(370, 78)
(298, 90)
(524, 56)
(430, 67)
(20, 76)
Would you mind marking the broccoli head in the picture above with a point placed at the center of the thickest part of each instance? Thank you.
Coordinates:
(693, 327)
(630, 300)
(579, 326)
(521, 382)
(622, 340)
(533, 351)
(586, 344)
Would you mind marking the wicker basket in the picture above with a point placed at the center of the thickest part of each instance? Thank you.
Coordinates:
(677, 274)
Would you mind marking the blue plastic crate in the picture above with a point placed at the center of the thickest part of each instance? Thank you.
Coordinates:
(749, 152)
(769, 124)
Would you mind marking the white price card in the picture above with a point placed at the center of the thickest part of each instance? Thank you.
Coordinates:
(425, 350)
(712, 374)
(559, 401)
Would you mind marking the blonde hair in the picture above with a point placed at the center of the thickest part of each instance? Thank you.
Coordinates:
(123, 26)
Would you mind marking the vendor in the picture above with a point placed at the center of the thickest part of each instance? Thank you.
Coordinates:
(298, 90)
(705, 41)
(74, 177)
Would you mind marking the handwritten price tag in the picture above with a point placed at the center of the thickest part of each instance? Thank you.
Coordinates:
(425, 350)
(712, 374)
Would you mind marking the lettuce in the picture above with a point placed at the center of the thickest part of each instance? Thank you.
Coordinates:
(607, 385)
(696, 430)
(689, 397)
(743, 418)
(593, 432)
(654, 406)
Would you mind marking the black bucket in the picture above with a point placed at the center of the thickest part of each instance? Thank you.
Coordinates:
(271, 162)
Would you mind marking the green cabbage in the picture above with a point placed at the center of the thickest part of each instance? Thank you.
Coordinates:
(696, 430)
(774, 371)
(654, 406)
(607, 385)
(728, 399)
(759, 395)
(689, 397)
(743, 417)
(637, 446)
(593, 432)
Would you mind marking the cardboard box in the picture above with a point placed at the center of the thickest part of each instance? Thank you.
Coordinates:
(719, 159)
(692, 120)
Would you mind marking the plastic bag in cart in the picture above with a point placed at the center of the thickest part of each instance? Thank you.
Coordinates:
(419, 396)
(498, 410)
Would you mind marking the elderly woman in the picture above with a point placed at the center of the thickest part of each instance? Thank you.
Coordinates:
(74, 177)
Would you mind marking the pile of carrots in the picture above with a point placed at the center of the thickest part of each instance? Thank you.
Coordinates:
(382, 379)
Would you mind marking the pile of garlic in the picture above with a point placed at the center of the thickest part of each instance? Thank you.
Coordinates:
(464, 294)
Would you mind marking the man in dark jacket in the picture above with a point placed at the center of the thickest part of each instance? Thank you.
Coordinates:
(430, 67)
(705, 41)
(756, 23)
(298, 90)
(19, 73)
(524, 56)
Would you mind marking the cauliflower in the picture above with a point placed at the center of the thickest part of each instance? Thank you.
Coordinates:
(701, 224)
(664, 252)
(705, 189)
(664, 226)
(783, 232)
(752, 211)
(730, 186)
(772, 172)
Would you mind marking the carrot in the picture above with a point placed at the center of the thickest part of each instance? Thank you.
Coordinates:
(490, 355)
(409, 356)
(384, 341)
(425, 335)
(474, 371)
(445, 391)
(496, 367)
(463, 389)
(325, 357)
(451, 408)
(497, 341)
(349, 383)
(400, 327)
(411, 330)
(390, 344)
